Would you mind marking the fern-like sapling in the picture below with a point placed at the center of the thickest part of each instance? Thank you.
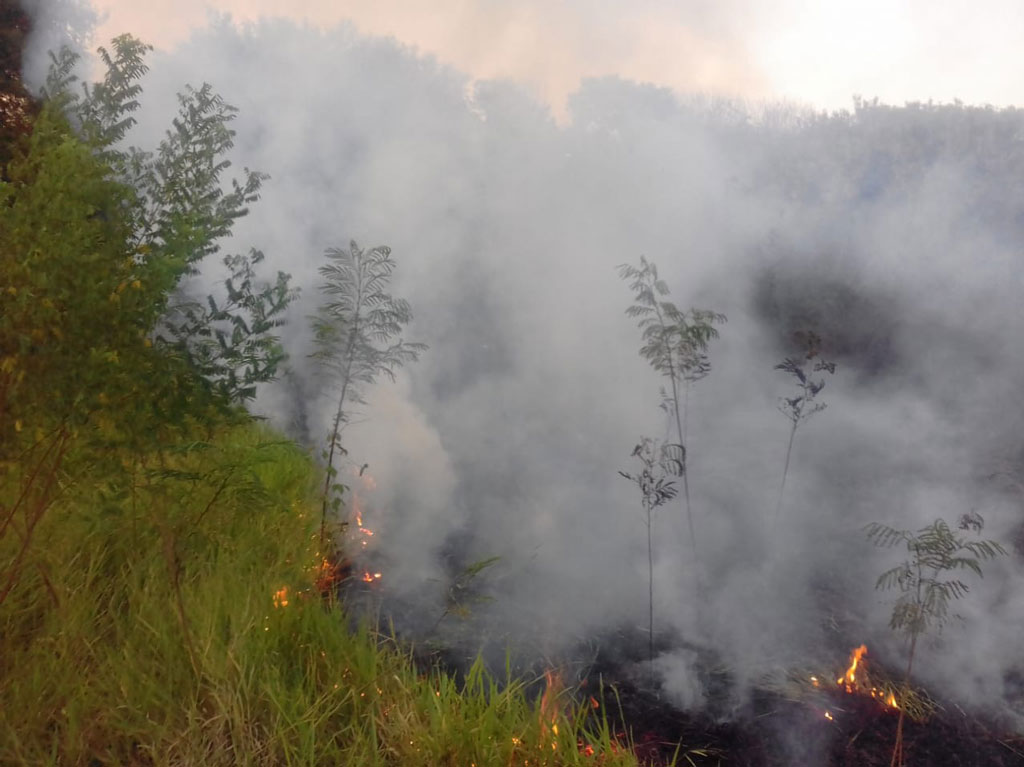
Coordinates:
(928, 582)
(658, 462)
(353, 332)
(675, 343)
(462, 592)
(805, 404)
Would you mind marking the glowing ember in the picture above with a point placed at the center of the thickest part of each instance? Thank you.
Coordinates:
(327, 575)
(281, 597)
(888, 699)
(829, 716)
(849, 679)
(361, 535)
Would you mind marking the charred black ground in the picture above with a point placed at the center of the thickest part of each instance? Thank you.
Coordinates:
(770, 730)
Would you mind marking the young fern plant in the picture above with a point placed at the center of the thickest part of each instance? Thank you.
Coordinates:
(805, 404)
(675, 343)
(928, 582)
(658, 462)
(354, 332)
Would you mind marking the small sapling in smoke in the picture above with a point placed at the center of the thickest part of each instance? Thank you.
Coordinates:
(675, 343)
(805, 404)
(927, 581)
(658, 462)
(463, 591)
(353, 332)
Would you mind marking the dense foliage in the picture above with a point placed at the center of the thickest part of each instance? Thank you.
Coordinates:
(16, 105)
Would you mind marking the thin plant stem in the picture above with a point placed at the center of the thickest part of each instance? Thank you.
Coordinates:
(785, 471)
(650, 596)
(336, 428)
(679, 427)
(897, 751)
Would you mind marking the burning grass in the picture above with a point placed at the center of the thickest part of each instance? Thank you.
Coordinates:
(860, 680)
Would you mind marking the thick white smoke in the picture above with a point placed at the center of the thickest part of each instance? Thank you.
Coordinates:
(894, 233)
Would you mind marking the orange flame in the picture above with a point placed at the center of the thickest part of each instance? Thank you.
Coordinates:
(854, 684)
(554, 685)
(849, 679)
(281, 597)
(362, 534)
(889, 699)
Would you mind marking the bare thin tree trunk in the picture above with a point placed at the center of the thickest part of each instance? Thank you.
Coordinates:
(650, 595)
(336, 429)
(686, 469)
(330, 464)
(785, 472)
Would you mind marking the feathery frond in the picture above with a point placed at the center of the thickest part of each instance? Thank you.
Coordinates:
(925, 582)
(353, 331)
(675, 343)
(926, 589)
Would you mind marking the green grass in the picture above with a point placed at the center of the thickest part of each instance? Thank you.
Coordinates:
(142, 630)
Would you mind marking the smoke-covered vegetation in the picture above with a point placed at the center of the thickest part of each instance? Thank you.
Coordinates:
(890, 235)
(164, 597)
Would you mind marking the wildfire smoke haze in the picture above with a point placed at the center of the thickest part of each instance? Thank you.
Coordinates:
(894, 233)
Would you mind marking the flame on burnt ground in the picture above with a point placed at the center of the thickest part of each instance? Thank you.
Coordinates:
(361, 535)
(849, 679)
(856, 681)
(334, 567)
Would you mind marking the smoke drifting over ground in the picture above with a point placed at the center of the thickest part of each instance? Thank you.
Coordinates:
(893, 233)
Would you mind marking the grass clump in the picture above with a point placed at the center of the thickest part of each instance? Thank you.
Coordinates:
(98, 665)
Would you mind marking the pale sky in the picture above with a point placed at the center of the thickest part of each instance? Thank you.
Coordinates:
(819, 53)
